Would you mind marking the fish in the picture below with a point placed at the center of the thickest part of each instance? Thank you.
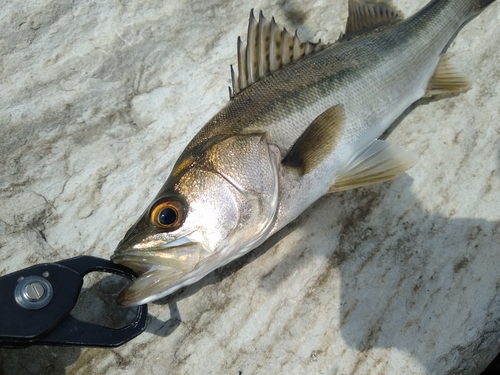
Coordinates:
(303, 120)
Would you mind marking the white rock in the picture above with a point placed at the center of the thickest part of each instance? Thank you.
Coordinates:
(97, 100)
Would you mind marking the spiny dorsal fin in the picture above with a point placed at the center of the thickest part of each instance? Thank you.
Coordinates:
(318, 141)
(268, 48)
(446, 80)
(379, 161)
(365, 14)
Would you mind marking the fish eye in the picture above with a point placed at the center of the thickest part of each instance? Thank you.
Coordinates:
(168, 214)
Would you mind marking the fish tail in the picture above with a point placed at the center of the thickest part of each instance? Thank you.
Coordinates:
(481, 4)
(474, 7)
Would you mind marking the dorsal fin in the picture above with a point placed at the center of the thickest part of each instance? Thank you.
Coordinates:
(366, 14)
(268, 48)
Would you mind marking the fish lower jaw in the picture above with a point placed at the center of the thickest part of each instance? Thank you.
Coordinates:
(151, 285)
(160, 274)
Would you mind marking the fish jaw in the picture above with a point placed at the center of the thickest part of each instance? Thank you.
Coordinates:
(162, 260)
(162, 270)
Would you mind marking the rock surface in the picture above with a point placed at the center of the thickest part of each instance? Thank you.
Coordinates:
(97, 100)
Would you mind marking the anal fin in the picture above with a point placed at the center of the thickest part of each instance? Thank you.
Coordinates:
(446, 80)
(380, 161)
(318, 140)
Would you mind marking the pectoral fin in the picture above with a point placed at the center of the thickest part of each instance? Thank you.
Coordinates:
(446, 80)
(380, 161)
(318, 141)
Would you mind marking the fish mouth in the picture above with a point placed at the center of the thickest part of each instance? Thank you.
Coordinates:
(162, 270)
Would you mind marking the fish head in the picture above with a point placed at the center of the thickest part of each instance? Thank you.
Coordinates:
(214, 207)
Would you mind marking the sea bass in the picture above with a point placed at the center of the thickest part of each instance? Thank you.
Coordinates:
(303, 121)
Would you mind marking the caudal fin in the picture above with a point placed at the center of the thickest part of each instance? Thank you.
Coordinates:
(481, 4)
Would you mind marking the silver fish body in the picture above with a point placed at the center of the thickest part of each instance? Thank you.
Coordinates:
(289, 136)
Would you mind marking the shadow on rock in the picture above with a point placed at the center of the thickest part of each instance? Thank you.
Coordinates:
(409, 277)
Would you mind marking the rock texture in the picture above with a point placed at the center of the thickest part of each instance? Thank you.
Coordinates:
(97, 100)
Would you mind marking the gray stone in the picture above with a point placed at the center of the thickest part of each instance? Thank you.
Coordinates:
(98, 99)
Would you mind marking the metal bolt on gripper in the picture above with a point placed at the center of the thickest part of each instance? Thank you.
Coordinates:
(33, 292)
